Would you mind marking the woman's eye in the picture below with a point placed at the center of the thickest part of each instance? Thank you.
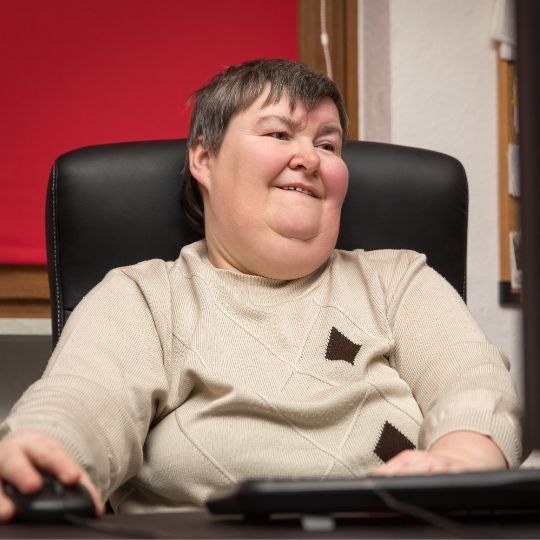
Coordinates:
(280, 135)
(327, 146)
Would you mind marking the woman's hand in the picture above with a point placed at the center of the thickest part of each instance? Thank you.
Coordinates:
(459, 451)
(24, 454)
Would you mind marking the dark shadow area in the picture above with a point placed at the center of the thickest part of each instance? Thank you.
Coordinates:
(22, 361)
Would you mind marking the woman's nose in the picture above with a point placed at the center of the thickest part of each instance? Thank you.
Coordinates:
(306, 158)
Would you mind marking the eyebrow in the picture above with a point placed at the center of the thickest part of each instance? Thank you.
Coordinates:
(289, 122)
(330, 129)
(327, 129)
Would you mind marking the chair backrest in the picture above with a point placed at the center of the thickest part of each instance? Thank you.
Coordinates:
(118, 204)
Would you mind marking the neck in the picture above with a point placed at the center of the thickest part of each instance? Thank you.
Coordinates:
(281, 258)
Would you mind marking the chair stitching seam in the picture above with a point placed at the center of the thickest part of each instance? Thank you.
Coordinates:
(55, 254)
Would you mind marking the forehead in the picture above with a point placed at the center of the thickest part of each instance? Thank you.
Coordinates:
(260, 111)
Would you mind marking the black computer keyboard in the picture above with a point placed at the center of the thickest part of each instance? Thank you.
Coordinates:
(517, 489)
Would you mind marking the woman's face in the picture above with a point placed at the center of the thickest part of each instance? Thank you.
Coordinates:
(274, 191)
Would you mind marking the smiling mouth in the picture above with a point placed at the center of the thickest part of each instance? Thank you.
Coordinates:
(300, 190)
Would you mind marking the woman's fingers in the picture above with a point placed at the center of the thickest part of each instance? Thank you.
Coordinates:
(16, 466)
(7, 508)
(96, 496)
(417, 462)
(50, 456)
(23, 458)
(59, 463)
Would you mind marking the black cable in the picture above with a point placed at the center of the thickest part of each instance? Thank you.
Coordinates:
(437, 520)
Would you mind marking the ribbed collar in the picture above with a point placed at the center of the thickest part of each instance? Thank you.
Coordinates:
(248, 289)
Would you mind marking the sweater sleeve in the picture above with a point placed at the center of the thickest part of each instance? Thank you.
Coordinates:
(459, 379)
(105, 382)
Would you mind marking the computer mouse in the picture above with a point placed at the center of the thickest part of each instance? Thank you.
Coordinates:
(52, 502)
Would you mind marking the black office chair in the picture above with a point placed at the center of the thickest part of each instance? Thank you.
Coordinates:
(118, 204)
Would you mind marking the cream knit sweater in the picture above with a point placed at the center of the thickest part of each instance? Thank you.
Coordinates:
(174, 379)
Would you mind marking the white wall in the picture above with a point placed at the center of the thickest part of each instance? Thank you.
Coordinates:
(437, 89)
(25, 326)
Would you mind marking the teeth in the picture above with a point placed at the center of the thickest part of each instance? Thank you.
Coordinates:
(301, 190)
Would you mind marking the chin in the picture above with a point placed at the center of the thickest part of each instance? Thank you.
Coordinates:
(296, 229)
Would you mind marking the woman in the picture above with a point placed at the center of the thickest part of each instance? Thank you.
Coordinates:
(262, 351)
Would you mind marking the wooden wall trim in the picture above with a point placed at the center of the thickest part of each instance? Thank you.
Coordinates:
(342, 28)
(24, 292)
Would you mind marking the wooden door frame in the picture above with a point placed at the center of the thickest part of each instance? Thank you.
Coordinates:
(342, 29)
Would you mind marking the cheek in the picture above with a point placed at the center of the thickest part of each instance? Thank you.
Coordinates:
(257, 163)
(336, 177)
(265, 159)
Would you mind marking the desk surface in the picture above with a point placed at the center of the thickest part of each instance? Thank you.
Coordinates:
(203, 525)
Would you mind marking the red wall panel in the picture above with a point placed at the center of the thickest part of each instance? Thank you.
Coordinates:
(77, 73)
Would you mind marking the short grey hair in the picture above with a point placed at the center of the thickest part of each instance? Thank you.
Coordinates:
(234, 90)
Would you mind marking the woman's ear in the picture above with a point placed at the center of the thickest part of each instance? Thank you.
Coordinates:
(199, 164)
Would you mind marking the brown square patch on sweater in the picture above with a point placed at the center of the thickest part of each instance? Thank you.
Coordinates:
(341, 347)
(391, 443)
